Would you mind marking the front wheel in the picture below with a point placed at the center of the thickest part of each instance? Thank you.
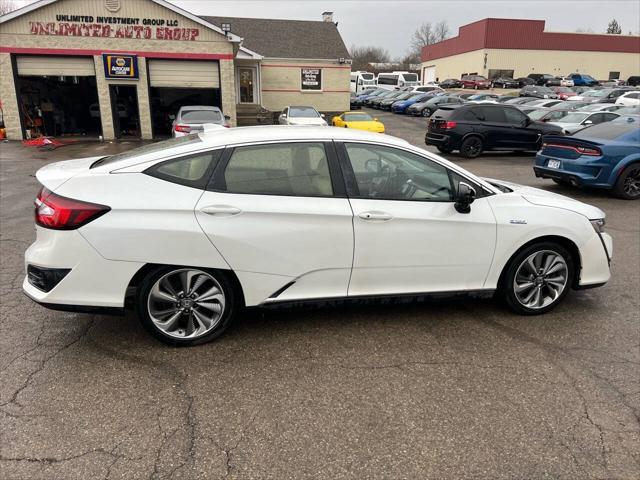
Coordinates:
(538, 278)
(471, 147)
(426, 112)
(185, 306)
(628, 184)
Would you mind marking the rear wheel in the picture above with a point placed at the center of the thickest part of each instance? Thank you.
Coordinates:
(471, 147)
(185, 306)
(628, 184)
(538, 278)
(426, 112)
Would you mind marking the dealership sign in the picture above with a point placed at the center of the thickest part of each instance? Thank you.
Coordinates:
(114, 27)
(120, 66)
(311, 79)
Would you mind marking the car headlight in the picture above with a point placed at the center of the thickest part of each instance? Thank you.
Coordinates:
(598, 225)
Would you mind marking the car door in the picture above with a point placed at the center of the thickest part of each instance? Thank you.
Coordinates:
(524, 134)
(494, 127)
(408, 236)
(279, 216)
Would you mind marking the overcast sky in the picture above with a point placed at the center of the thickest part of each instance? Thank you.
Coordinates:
(390, 23)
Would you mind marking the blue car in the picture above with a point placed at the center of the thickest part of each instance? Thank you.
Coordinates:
(605, 156)
(401, 105)
(581, 79)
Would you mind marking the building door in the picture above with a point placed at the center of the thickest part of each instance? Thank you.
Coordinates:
(124, 109)
(247, 92)
(428, 75)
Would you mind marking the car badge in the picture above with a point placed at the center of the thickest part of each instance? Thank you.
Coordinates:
(518, 222)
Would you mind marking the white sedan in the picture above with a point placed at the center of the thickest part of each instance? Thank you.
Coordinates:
(577, 120)
(190, 230)
(629, 99)
(302, 116)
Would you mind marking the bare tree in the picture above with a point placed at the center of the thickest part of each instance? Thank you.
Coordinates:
(428, 34)
(362, 56)
(7, 6)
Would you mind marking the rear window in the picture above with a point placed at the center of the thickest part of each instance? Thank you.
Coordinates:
(150, 148)
(200, 116)
(606, 131)
(303, 112)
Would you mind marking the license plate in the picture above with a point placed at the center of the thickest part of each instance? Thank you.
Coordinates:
(553, 164)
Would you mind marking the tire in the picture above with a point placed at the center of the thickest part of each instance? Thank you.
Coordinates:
(628, 184)
(161, 302)
(475, 87)
(471, 147)
(443, 149)
(527, 294)
(427, 112)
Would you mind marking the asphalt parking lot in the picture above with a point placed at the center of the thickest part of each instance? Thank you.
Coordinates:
(458, 389)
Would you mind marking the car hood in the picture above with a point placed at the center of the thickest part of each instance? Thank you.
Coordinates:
(541, 197)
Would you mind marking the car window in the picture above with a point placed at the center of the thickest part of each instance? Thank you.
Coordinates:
(296, 169)
(597, 118)
(191, 171)
(492, 114)
(163, 146)
(303, 112)
(200, 116)
(514, 116)
(387, 173)
(608, 116)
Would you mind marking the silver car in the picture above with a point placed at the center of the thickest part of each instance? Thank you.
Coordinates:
(194, 118)
(577, 120)
(300, 115)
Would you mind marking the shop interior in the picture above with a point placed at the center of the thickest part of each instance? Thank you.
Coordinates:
(166, 101)
(124, 108)
(59, 106)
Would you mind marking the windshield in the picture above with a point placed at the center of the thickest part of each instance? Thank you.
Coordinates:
(358, 117)
(628, 111)
(150, 148)
(303, 112)
(574, 117)
(200, 116)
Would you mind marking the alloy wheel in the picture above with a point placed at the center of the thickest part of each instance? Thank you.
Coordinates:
(186, 303)
(632, 183)
(472, 147)
(540, 279)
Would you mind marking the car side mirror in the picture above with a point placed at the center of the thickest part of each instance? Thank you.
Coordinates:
(464, 198)
(283, 115)
(588, 122)
(373, 165)
(375, 119)
(526, 122)
(322, 115)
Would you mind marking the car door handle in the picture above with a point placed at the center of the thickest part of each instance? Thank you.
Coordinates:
(375, 215)
(221, 210)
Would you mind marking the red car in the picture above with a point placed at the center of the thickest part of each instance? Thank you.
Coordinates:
(475, 82)
(563, 92)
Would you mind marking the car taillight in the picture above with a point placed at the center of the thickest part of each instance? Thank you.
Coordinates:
(589, 151)
(61, 213)
(448, 125)
(183, 128)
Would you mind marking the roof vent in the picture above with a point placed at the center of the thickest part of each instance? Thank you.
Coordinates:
(327, 17)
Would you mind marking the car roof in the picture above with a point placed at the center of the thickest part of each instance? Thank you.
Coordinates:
(220, 138)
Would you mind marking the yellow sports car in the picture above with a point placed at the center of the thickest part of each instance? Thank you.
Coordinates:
(358, 120)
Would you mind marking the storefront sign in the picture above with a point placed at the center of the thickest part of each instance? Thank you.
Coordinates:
(115, 27)
(120, 66)
(311, 79)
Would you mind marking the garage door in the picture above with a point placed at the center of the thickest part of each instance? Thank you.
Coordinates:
(183, 74)
(34, 65)
(428, 74)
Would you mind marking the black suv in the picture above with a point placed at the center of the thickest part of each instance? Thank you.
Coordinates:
(544, 79)
(472, 129)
